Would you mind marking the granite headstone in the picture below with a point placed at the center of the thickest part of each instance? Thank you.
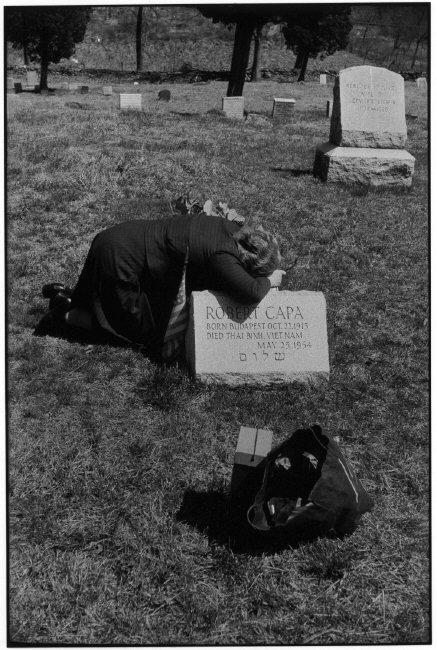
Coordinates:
(164, 95)
(368, 131)
(130, 101)
(283, 109)
(281, 339)
(31, 78)
(369, 109)
(233, 107)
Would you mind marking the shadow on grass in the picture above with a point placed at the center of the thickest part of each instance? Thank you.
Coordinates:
(284, 171)
(209, 512)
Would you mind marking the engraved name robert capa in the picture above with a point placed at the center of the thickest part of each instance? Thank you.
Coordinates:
(272, 326)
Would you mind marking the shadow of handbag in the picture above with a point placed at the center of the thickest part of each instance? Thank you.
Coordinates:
(308, 490)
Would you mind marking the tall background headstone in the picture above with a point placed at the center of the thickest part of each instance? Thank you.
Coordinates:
(368, 130)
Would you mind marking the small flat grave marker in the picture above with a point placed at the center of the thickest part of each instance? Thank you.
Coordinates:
(233, 107)
(130, 101)
(107, 90)
(283, 109)
(422, 83)
(18, 87)
(323, 79)
(282, 339)
(164, 95)
(84, 90)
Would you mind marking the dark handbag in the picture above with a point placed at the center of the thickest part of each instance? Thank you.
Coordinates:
(308, 489)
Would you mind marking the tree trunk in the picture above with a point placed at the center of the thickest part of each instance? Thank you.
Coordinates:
(139, 36)
(254, 75)
(413, 62)
(303, 69)
(395, 51)
(44, 73)
(240, 57)
(25, 53)
(299, 60)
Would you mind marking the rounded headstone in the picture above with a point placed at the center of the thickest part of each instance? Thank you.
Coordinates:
(164, 95)
(369, 109)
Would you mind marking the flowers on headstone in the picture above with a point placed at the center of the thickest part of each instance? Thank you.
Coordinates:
(186, 205)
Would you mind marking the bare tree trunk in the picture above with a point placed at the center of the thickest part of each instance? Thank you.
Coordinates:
(304, 67)
(299, 60)
(254, 75)
(139, 38)
(394, 53)
(240, 57)
(25, 53)
(413, 62)
(44, 73)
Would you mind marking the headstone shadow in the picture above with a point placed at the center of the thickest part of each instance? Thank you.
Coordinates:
(285, 171)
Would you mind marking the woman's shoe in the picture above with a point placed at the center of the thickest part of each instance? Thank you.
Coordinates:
(51, 289)
(61, 300)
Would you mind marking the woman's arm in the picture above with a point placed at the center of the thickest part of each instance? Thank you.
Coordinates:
(229, 275)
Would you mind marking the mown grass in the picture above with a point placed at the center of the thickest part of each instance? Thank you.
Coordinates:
(119, 468)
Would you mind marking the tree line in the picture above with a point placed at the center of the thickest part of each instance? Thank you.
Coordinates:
(47, 34)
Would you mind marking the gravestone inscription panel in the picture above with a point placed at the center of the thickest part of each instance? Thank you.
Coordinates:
(281, 339)
(369, 109)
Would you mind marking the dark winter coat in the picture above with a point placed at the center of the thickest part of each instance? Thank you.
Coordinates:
(133, 270)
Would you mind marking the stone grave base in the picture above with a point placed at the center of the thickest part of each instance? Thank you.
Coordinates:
(376, 167)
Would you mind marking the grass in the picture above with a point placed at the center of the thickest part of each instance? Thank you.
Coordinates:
(119, 469)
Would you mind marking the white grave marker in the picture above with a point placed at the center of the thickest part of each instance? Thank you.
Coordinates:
(328, 108)
(107, 90)
(281, 339)
(233, 107)
(422, 83)
(283, 109)
(31, 78)
(323, 79)
(130, 101)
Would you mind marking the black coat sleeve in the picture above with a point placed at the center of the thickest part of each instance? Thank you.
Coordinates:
(230, 276)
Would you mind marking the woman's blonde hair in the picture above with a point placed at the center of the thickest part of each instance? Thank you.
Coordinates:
(259, 250)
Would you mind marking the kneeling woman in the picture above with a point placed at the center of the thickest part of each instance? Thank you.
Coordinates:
(133, 271)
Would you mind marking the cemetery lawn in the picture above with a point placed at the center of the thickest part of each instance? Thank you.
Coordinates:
(119, 468)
